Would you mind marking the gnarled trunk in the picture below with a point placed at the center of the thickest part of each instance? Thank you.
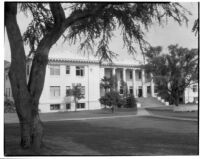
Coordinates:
(26, 101)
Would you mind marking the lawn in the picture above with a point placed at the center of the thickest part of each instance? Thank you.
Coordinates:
(169, 112)
(134, 135)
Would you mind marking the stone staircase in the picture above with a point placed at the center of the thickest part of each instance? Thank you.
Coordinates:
(149, 102)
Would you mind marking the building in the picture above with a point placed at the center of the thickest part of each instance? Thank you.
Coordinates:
(191, 93)
(7, 86)
(62, 73)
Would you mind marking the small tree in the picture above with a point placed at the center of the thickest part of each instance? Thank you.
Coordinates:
(77, 93)
(131, 102)
(125, 88)
(111, 99)
(105, 83)
(109, 83)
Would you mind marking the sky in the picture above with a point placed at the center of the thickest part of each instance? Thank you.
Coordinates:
(171, 33)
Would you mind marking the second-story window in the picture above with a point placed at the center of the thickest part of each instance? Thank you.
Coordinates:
(55, 91)
(54, 69)
(195, 88)
(79, 70)
(131, 75)
(67, 69)
(140, 75)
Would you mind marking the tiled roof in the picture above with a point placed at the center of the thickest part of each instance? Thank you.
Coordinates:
(94, 62)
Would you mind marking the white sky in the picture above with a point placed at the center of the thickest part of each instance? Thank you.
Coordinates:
(170, 33)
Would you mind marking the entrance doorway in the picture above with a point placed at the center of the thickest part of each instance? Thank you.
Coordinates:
(148, 91)
(139, 91)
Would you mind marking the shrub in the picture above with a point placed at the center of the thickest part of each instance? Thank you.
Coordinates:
(131, 102)
(111, 99)
(9, 106)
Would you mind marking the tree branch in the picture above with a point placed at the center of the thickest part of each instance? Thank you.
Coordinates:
(57, 12)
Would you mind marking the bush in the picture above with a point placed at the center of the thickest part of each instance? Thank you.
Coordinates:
(131, 102)
(111, 99)
(9, 106)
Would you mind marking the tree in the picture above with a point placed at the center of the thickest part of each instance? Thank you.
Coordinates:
(125, 88)
(105, 83)
(109, 83)
(111, 99)
(77, 93)
(195, 27)
(173, 72)
(91, 22)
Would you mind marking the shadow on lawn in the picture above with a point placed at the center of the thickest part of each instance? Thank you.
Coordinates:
(81, 138)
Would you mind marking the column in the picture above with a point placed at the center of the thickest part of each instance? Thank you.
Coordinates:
(152, 86)
(144, 93)
(134, 83)
(124, 74)
(113, 72)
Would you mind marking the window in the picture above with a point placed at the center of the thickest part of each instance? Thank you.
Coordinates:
(121, 75)
(195, 89)
(149, 89)
(148, 75)
(54, 69)
(68, 106)
(67, 91)
(196, 100)
(54, 106)
(55, 91)
(27, 69)
(131, 89)
(79, 70)
(121, 90)
(139, 75)
(67, 69)
(131, 75)
(80, 105)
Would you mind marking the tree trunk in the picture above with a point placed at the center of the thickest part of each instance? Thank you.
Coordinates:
(176, 97)
(26, 105)
(75, 102)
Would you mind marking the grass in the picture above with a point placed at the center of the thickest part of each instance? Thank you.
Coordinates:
(169, 112)
(119, 136)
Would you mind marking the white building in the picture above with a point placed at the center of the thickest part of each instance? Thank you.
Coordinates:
(62, 73)
(191, 94)
(7, 86)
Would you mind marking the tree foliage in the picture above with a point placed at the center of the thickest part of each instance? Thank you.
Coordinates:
(195, 28)
(109, 83)
(174, 71)
(94, 23)
(91, 24)
(111, 99)
(77, 93)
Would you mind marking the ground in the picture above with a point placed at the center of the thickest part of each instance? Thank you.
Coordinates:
(120, 135)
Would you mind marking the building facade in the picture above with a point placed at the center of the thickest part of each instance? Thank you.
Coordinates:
(63, 73)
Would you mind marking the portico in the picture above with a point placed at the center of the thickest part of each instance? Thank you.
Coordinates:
(138, 83)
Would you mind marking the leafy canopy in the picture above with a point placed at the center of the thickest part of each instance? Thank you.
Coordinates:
(174, 71)
(94, 24)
